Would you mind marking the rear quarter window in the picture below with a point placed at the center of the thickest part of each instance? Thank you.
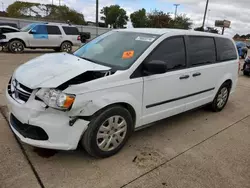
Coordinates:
(70, 30)
(225, 49)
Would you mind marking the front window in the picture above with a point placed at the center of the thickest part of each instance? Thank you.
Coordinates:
(116, 49)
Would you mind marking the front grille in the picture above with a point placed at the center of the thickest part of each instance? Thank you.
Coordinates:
(28, 131)
(18, 91)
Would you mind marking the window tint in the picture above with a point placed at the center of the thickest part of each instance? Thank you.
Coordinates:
(40, 29)
(172, 51)
(53, 30)
(225, 49)
(70, 30)
(201, 50)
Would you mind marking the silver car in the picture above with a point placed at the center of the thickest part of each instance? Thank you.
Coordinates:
(42, 35)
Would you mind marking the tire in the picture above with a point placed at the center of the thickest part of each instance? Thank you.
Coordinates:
(222, 95)
(101, 126)
(16, 46)
(66, 47)
(245, 73)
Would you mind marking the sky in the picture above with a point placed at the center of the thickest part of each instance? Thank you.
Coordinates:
(237, 11)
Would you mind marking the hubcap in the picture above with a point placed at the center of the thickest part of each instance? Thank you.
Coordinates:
(17, 47)
(66, 47)
(111, 133)
(222, 97)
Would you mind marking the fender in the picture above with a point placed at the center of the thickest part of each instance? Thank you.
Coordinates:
(89, 103)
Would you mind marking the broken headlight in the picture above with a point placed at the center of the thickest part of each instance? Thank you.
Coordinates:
(56, 98)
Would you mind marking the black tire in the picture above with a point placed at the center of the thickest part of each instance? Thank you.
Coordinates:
(245, 73)
(66, 47)
(16, 46)
(214, 106)
(89, 139)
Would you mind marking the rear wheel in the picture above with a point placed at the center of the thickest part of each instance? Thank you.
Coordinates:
(66, 47)
(221, 97)
(16, 46)
(108, 132)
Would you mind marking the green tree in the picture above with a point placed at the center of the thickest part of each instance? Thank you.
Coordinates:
(40, 11)
(181, 22)
(139, 18)
(159, 19)
(115, 16)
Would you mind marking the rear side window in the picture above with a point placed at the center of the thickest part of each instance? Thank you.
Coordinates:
(201, 50)
(70, 30)
(53, 30)
(225, 49)
(172, 51)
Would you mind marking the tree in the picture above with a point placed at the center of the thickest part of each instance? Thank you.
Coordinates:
(115, 16)
(139, 18)
(181, 22)
(41, 11)
(236, 36)
(159, 19)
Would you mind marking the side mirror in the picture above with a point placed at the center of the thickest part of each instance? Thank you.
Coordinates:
(155, 67)
(33, 31)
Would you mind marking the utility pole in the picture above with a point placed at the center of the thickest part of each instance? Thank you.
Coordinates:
(96, 19)
(205, 13)
(3, 6)
(176, 7)
(208, 17)
(59, 2)
(52, 2)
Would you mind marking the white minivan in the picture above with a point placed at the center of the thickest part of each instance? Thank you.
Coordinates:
(117, 83)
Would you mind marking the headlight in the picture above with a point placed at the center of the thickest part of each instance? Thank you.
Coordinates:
(55, 98)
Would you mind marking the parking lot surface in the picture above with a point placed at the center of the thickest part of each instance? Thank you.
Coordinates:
(195, 149)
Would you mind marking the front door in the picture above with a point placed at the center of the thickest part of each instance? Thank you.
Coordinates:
(39, 37)
(164, 94)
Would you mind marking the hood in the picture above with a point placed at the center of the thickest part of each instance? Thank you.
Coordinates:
(52, 70)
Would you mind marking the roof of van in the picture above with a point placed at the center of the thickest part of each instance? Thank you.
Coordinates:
(159, 31)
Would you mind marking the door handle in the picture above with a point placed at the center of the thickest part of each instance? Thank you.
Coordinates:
(196, 74)
(184, 77)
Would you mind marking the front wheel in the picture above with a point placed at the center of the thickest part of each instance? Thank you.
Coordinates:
(16, 46)
(108, 132)
(66, 47)
(221, 98)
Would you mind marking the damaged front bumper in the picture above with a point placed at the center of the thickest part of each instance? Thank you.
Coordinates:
(44, 127)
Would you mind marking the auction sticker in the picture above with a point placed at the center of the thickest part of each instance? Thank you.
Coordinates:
(128, 54)
(145, 39)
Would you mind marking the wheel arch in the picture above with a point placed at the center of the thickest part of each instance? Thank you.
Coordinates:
(18, 40)
(67, 41)
(125, 105)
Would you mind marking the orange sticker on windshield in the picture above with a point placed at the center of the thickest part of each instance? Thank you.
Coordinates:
(128, 54)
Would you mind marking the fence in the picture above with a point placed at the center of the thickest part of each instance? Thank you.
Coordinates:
(23, 22)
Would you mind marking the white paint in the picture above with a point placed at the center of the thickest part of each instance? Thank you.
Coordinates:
(51, 70)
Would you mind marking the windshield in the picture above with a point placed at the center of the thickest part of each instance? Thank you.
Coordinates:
(27, 28)
(116, 49)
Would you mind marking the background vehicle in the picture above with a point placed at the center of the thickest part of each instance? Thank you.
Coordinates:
(43, 35)
(8, 24)
(85, 36)
(117, 83)
(246, 66)
(242, 49)
(7, 29)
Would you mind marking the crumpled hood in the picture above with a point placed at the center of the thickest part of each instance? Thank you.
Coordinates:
(52, 70)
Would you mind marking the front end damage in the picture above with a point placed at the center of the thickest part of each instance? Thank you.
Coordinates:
(38, 124)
